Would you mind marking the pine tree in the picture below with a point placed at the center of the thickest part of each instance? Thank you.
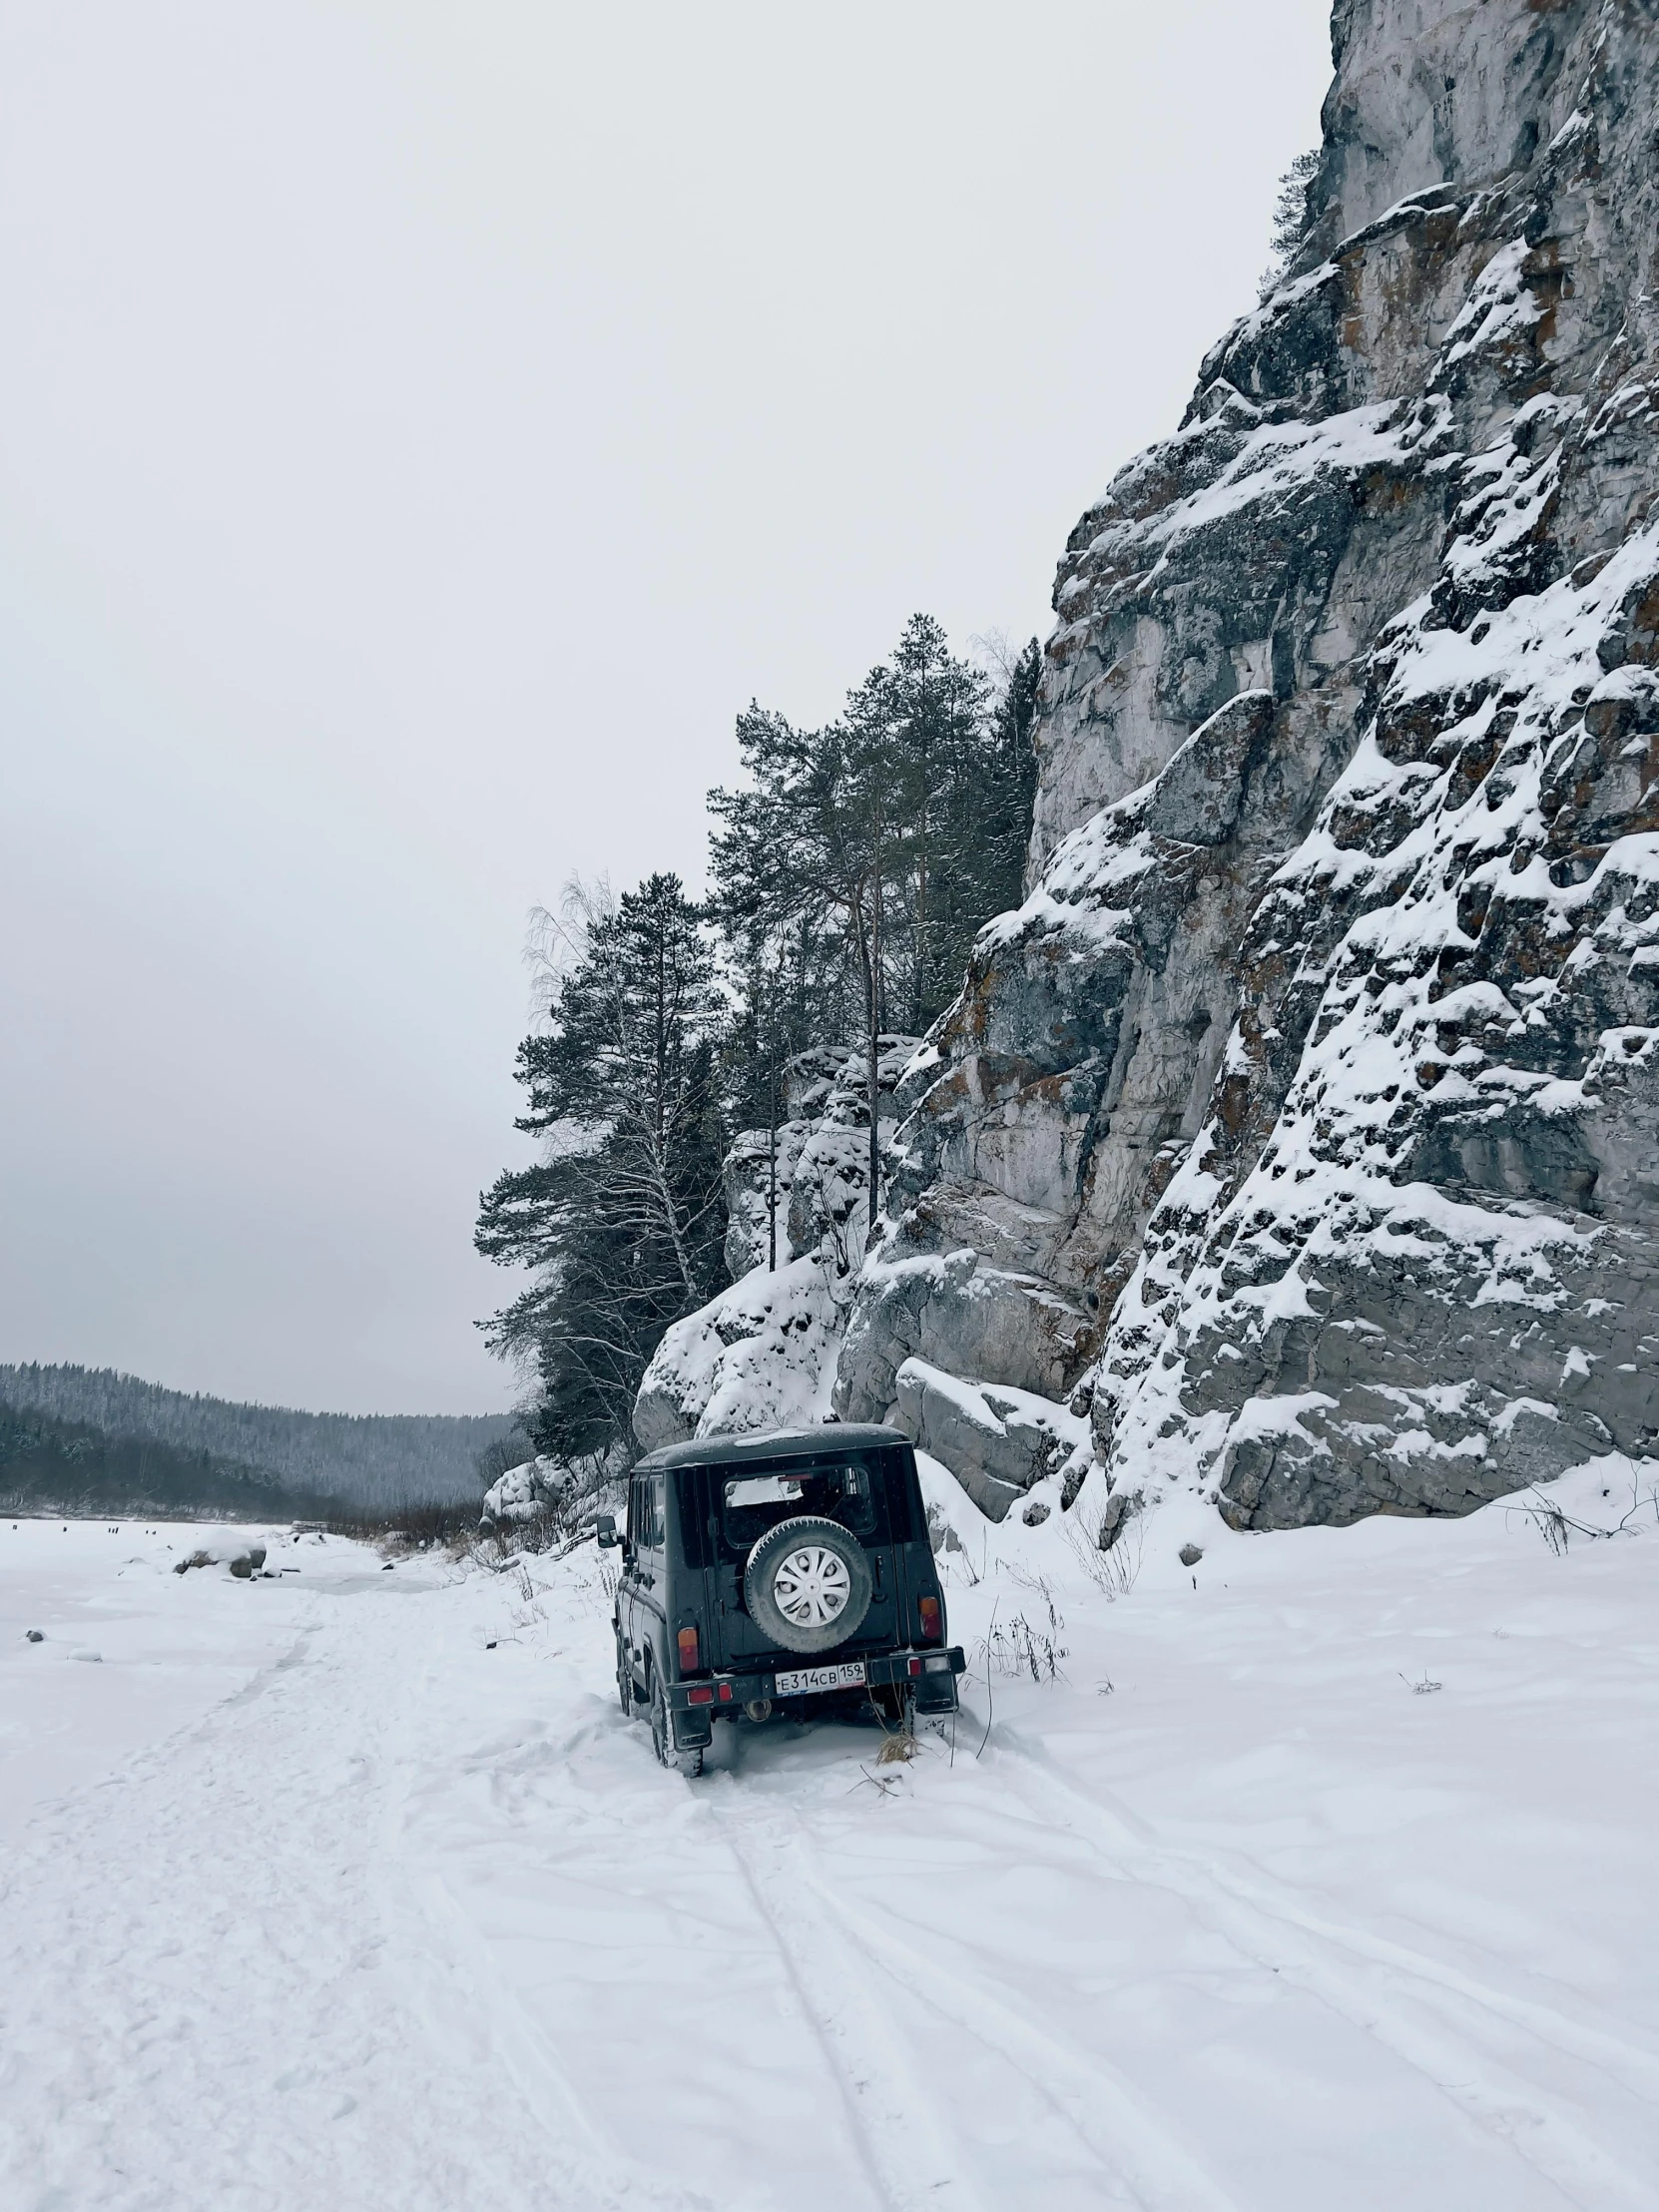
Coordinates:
(873, 850)
(985, 820)
(1004, 835)
(807, 842)
(1292, 217)
(621, 1222)
(938, 707)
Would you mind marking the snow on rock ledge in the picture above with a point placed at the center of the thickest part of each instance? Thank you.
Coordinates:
(1317, 1077)
(997, 1442)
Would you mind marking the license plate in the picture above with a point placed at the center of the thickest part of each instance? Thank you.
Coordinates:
(847, 1676)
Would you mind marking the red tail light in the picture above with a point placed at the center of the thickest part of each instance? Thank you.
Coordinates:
(687, 1641)
(700, 1693)
(932, 1619)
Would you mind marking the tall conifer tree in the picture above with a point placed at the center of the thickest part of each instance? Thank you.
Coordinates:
(621, 1220)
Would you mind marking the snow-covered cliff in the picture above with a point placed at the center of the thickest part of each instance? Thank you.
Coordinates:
(1302, 1128)
(1305, 1118)
(762, 1355)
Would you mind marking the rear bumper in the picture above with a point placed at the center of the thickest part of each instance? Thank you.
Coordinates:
(930, 1674)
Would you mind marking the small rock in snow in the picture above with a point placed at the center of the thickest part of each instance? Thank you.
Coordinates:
(1190, 1554)
(33, 1636)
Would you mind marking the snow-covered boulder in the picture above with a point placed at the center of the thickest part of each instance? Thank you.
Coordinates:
(760, 1356)
(244, 1560)
(996, 1441)
(527, 1492)
(957, 1313)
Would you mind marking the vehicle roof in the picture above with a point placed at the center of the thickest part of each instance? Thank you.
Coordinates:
(776, 1444)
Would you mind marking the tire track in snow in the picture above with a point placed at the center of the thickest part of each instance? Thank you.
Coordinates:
(1547, 2133)
(458, 1961)
(252, 1692)
(911, 2155)
(1142, 2160)
(195, 2013)
(1636, 2066)
(607, 2179)
(1109, 2115)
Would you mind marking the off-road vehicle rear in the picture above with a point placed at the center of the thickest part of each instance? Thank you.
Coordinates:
(786, 1571)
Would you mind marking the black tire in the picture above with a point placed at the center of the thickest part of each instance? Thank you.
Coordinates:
(624, 1678)
(825, 1584)
(688, 1763)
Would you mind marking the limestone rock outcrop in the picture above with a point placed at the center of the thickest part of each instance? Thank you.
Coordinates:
(1303, 1122)
(999, 1443)
(762, 1355)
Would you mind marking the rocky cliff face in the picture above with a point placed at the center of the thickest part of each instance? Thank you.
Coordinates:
(1302, 1128)
(762, 1354)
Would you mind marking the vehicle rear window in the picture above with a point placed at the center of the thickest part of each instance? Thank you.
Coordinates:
(850, 1490)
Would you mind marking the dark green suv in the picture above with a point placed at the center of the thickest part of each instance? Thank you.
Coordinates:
(786, 1571)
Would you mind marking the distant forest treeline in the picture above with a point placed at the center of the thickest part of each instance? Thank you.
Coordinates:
(380, 1461)
(71, 1467)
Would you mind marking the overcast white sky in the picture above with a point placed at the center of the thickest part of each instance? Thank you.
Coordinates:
(421, 429)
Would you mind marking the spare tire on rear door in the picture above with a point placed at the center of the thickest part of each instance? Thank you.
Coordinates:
(807, 1584)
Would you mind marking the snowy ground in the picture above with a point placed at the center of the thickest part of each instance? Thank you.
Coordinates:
(311, 1899)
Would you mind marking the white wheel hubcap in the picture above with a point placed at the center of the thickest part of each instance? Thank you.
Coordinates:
(812, 1586)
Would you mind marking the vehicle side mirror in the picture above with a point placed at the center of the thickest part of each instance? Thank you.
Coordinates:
(605, 1529)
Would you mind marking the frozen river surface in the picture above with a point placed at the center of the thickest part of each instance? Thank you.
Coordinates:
(354, 1888)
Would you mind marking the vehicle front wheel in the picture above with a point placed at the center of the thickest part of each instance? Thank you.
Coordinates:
(688, 1763)
(624, 1678)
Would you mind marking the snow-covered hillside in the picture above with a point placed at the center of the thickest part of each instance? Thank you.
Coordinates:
(1318, 1874)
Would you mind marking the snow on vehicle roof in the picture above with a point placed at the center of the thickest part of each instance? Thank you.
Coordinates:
(780, 1443)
